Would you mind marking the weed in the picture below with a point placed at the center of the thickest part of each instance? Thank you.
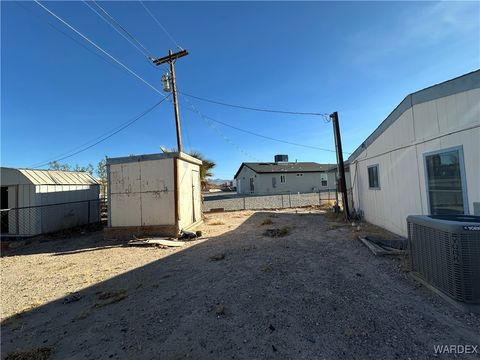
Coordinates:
(35, 354)
(217, 257)
(266, 222)
(216, 222)
(284, 231)
(220, 310)
(111, 297)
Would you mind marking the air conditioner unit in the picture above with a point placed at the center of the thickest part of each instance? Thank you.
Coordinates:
(445, 253)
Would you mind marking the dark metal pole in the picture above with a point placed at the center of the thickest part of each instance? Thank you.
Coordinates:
(341, 166)
(175, 103)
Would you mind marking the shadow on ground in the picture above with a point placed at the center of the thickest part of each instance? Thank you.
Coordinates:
(315, 293)
(81, 239)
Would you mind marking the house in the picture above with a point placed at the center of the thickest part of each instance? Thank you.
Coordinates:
(424, 158)
(34, 202)
(153, 195)
(281, 177)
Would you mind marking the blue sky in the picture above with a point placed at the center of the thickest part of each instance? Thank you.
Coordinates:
(358, 58)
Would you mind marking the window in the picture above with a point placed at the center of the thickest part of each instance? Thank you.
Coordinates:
(299, 174)
(445, 182)
(323, 179)
(274, 182)
(282, 178)
(373, 179)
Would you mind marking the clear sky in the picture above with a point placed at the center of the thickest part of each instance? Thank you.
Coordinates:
(358, 58)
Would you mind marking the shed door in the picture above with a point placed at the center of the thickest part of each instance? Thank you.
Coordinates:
(196, 195)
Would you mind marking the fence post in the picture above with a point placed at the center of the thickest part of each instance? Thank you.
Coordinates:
(289, 200)
(319, 198)
(244, 204)
(282, 200)
(88, 221)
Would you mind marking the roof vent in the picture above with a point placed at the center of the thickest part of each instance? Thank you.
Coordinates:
(281, 158)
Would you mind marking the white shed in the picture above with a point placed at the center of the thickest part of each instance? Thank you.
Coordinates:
(153, 195)
(424, 158)
(42, 201)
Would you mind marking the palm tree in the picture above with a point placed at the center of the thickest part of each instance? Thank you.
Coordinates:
(205, 168)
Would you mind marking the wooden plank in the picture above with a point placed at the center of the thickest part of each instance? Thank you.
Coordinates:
(375, 249)
(163, 242)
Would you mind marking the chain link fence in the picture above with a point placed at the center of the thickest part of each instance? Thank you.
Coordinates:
(231, 202)
(39, 219)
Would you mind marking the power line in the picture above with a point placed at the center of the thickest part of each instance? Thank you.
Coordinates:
(268, 137)
(146, 52)
(65, 34)
(217, 130)
(101, 49)
(160, 25)
(129, 123)
(256, 109)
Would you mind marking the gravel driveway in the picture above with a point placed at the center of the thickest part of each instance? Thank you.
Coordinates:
(315, 293)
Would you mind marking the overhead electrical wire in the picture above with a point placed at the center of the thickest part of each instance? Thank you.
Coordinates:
(256, 109)
(218, 131)
(148, 52)
(54, 27)
(101, 49)
(103, 137)
(204, 117)
(265, 136)
(160, 25)
(143, 51)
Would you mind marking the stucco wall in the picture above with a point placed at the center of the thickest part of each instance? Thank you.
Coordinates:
(399, 151)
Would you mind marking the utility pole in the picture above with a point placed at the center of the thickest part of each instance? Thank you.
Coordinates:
(171, 58)
(341, 168)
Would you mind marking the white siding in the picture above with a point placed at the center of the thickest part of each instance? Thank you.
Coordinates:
(399, 152)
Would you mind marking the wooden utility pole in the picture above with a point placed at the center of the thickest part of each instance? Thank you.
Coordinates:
(171, 58)
(341, 167)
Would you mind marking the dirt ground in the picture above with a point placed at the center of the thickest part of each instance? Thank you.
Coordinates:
(315, 293)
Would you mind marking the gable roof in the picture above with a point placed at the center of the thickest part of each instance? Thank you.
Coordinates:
(450, 87)
(53, 177)
(286, 167)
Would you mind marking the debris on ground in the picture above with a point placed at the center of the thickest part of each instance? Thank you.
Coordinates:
(378, 249)
(188, 235)
(217, 257)
(284, 231)
(35, 354)
(155, 242)
(71, 298)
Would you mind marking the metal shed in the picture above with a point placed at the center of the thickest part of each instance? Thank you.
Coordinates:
(153, 195)
(41, 201)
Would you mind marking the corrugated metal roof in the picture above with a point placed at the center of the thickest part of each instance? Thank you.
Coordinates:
(53, 177)
(261, 168)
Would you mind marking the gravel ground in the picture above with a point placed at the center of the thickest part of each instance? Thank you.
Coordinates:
(315, 293)
(241, 202)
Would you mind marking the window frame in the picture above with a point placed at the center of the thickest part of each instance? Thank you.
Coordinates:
(378, 177)
(463, 178)
(322, 180)
(283, 179)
